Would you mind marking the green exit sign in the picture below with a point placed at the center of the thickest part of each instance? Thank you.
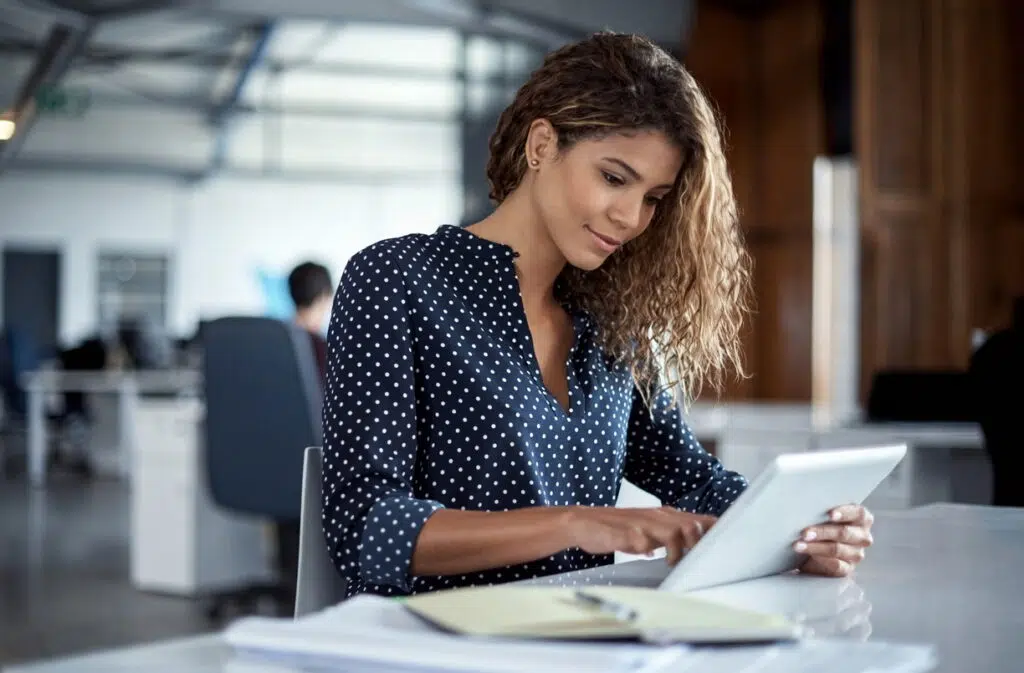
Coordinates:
(63, 101)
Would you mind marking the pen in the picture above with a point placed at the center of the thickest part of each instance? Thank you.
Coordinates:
(616, 610)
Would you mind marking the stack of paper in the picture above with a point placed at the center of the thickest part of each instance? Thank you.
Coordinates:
(368, 634)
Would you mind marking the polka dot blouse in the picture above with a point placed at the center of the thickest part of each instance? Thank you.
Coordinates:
(434, 399)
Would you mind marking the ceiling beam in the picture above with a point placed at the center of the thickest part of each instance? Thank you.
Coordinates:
(223, 110)
(30, 15)
(128, 10)
(496, 16)
(115, 56)
(201, 106)
(136, 168)
(477, 18)
(62, 46)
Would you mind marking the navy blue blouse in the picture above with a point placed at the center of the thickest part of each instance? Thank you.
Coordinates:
(434, 398)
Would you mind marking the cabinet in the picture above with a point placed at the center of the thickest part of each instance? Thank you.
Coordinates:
(181, 541)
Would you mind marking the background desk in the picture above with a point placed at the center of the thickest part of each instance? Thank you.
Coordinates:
(946, 462)
(181, 543)
(126, 385)
(947, 575)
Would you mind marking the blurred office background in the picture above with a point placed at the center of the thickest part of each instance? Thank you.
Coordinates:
(164, 165)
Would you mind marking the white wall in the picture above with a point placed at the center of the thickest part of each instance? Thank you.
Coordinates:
(217, 233)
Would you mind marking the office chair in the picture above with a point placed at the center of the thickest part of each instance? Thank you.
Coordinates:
(319, 584)
(919, 396)
(263, 403)
(19, 356)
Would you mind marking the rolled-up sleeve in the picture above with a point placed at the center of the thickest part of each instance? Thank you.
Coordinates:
(371, 519)
(665, 459)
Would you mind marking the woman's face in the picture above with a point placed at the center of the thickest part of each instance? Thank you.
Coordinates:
(599, 194)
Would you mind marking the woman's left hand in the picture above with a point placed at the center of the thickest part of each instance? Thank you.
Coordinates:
(835, 548)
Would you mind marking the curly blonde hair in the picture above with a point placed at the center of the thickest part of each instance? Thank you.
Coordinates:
(670, 304)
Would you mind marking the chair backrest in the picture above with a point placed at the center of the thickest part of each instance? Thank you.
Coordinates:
(263, 403)
(997, 369)
(18, 358)
(319, 585)
(920, 396)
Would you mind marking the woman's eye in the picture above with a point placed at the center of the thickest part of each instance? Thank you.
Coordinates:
(653, 200)
(612, 179)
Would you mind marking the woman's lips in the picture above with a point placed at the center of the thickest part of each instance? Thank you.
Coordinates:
(606, 243)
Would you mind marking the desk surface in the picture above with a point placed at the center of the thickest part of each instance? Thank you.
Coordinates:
(920, 435)
(155, 380)
(943, 574)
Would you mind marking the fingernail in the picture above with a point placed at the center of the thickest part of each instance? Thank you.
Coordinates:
(836, 515)
(800, 546)
(810, 535)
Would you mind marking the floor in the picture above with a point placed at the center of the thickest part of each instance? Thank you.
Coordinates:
(64, 574)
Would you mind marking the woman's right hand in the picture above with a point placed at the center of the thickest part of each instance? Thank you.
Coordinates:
(605, 530)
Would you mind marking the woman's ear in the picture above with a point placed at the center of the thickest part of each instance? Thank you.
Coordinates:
(541, 143)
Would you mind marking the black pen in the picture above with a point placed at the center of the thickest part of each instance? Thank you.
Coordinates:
(616, 610)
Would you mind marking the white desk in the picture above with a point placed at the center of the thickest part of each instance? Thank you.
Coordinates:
(944, 574)
(748, 436)
(945, 462)
(126, 385)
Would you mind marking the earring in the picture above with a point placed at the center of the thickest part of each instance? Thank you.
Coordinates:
(534, 162)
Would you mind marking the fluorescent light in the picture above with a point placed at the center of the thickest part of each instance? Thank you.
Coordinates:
(6, 129)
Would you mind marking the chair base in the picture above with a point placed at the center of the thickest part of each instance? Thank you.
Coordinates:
(276, 600)
(255, 598)
(14, 463)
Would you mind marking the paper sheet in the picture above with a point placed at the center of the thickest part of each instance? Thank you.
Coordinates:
(369, 634)
(368, 629)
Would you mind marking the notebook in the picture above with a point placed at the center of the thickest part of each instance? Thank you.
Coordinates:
(604, 612)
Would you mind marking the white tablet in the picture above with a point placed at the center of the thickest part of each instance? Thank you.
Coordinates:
(755, 536)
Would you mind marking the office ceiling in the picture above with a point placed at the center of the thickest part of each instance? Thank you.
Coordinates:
(203, 56)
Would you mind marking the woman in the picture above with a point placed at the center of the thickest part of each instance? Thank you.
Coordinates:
(488, 388)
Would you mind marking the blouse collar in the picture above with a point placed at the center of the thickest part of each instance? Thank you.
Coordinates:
(481, 248)
(476, 246)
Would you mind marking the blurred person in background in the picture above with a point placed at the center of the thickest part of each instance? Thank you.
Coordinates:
(997, 392)
(489, 387)
(310, 287)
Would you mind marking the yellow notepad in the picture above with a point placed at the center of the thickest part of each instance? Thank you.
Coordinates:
(595, 613)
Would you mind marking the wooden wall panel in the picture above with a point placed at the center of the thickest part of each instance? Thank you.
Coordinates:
(898, 63)
(727, 76)
(913, 261)
(989, 39)
(783, 281)
(763, 75)
(791, 133)
(1001, 273)
(791, 115)
(941, 175)
(901, 186)
(938, 89)
(722, 60)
